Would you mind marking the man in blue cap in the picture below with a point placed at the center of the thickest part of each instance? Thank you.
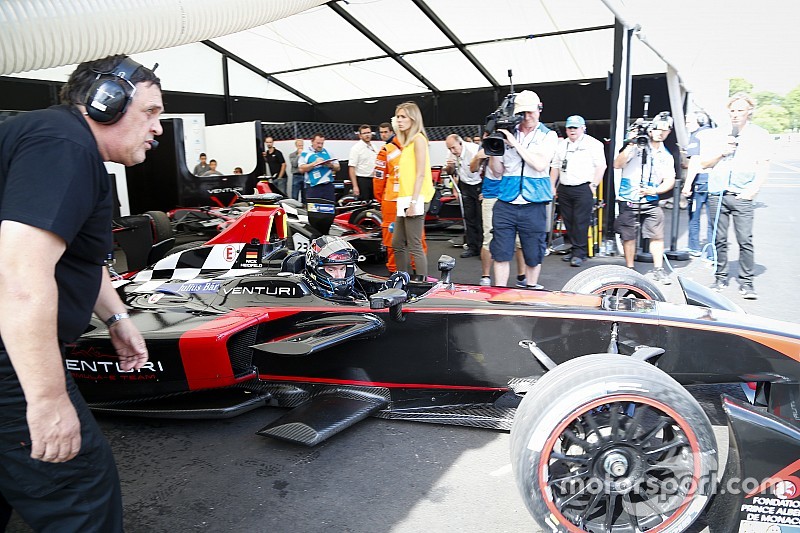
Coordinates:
(577, 167)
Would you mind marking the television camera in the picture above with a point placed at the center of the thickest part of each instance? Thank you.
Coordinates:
(503, 118)
(638, 131)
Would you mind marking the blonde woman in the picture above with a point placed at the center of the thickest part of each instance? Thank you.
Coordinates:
(415, 189)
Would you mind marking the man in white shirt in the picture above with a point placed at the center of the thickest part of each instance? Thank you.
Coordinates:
(362, 164)
(578, 166)
(739, 165)
(469, 186)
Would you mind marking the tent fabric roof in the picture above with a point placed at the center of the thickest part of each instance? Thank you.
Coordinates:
(397, 47)
(365, 49)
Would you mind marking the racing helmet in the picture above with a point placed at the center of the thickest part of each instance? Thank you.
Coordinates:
(326, 251)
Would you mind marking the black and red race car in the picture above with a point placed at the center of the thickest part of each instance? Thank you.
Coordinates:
(358, 223)
(605, 438)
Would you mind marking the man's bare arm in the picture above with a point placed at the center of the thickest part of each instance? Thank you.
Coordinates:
(28, 320)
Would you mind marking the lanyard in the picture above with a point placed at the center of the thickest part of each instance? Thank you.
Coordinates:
(533, 140)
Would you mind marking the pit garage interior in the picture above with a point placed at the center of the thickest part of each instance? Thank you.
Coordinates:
(241, 61)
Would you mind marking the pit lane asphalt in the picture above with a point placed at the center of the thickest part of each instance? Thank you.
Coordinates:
(217, 475)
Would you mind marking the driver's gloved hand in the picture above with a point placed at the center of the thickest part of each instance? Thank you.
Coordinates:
(398, 280)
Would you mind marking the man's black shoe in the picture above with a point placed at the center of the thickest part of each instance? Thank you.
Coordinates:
(567, 258)
(470, 253)
(576, 262)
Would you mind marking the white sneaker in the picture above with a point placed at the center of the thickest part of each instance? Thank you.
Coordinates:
(485, 281)
(536, 287)
(660, 275)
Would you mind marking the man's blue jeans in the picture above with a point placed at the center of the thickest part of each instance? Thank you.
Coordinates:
(696, 204)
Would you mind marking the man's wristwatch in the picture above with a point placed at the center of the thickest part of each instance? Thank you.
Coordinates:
(116, 318)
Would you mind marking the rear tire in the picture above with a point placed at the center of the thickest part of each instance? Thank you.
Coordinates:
(614, 280)
(608, 443)
(368, 220)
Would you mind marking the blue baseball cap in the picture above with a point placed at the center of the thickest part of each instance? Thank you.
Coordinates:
(575, 121)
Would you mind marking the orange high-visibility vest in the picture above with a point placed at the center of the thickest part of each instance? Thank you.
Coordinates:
(387, 165)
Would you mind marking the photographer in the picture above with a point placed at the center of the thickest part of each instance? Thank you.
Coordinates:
(648, 170)
(524, 192)
(739, 165)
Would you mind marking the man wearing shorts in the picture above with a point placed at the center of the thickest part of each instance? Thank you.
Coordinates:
(524, 192)
(638, 190)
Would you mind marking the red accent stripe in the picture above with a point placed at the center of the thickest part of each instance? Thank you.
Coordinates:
(330, 381)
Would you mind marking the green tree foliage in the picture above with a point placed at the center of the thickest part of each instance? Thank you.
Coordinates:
(775, 113)
(764, 98)
(791, 103)
(739, 85)
(771, 117)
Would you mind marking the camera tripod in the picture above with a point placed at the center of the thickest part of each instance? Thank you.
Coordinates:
(642, 245)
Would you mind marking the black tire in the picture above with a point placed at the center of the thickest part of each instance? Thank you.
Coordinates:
(162, 227)
(608, 437)
(368, 220)
(185, 246)
(614, 280)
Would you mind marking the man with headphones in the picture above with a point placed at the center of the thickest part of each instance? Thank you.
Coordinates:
(739, 165)
(56, 468)
(695, 188)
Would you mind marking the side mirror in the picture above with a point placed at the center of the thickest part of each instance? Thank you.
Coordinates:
(446, 264)
(391, 298)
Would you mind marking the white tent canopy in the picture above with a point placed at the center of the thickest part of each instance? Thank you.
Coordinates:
(363, 49)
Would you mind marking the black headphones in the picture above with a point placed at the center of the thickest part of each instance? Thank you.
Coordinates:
(111, 92)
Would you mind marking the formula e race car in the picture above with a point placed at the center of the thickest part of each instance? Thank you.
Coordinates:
(604, 436)
(358, 222)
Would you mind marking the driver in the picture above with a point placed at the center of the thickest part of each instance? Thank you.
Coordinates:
(331, 270)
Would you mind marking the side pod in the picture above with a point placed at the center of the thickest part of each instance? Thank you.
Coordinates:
(760, 485)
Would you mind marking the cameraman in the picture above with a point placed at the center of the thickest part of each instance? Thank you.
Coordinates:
(648, 169)
(524, 192)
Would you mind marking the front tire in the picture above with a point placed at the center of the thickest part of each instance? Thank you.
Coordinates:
(606, 443)
(162, 227)
(614, 280)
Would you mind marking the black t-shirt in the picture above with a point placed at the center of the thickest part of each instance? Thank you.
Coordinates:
(53, 177)
(275, 160)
